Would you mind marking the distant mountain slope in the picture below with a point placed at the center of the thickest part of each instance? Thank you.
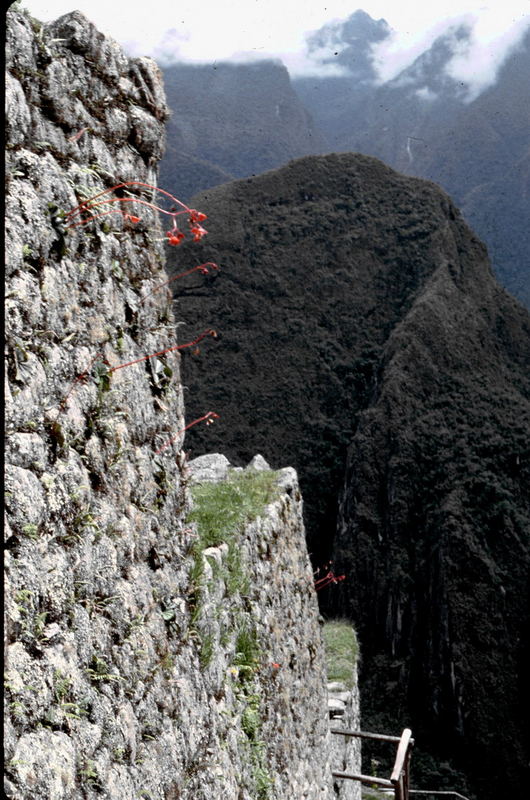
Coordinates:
(231, 120)
(238, 120)
(483, 160)
(361, 328)
(421, 123)
(434, 529)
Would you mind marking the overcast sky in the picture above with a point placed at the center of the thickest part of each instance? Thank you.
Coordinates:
(214, 30)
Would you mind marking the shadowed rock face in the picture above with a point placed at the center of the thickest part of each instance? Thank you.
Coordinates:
(230, 121)
(361, 327)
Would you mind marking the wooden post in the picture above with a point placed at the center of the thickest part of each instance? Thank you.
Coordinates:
(365, 735)
(438, 793)
(399, 777)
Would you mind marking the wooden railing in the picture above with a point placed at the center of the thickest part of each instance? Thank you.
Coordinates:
(438, 794)
(399, 780)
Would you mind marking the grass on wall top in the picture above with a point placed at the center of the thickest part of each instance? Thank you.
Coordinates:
(342, 651)
(222, 509)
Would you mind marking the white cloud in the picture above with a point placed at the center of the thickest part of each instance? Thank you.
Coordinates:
(493, 35)
(426, 94)
(168, 48)
(301, 65)
(478, 63)
(403, 47)
(213, 30)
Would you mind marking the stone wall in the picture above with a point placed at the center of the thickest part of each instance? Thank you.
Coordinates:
(344, 714)
(117, 684)
(286, 685)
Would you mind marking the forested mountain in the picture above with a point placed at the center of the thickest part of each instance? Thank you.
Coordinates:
(364, 340)
(423, 123)
(238, 120)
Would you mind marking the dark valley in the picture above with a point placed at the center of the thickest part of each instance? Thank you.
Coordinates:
(364, 339)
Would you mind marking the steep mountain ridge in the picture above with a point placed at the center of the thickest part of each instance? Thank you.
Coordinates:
(422, 124)
(230, 121)
(361, 319)
(434, 531)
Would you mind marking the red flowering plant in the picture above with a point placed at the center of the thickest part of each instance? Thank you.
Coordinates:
(204, 269)
(127, 204)
(105, 370)
(328, 579)
(209, 332)
(97, 207)
(99, 359)
(208, 418)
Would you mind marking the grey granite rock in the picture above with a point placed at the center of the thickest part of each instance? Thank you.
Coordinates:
(209, 468)
(128, 671)
(258, 463)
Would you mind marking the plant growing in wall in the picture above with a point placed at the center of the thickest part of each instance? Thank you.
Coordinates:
(91, 209)
(342, 651)
(222, 510)
(120, 199)
(247, 663)
(329, 579)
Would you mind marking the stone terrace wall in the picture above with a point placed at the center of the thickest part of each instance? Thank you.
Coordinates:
(106, 695)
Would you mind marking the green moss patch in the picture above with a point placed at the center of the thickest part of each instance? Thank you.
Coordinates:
(221, 512)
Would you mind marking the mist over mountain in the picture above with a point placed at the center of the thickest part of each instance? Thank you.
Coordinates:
(349, 44)
(230, 121)
(236, 120)
(364, 340)
(422, 123)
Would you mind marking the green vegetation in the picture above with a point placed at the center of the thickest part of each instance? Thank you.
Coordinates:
(221, 509)
(100, 671)
(64, 708)
(221, 512)
(87, 774)
(342, 651)
(207, 649)
(372, 794)
(247, 659)
(247, 651)
(62, 686)
(32, 622)
(31, 531)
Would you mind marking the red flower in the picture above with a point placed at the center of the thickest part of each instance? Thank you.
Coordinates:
(197, 216)
(198, 232)
(209, 417)
(175, 236)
